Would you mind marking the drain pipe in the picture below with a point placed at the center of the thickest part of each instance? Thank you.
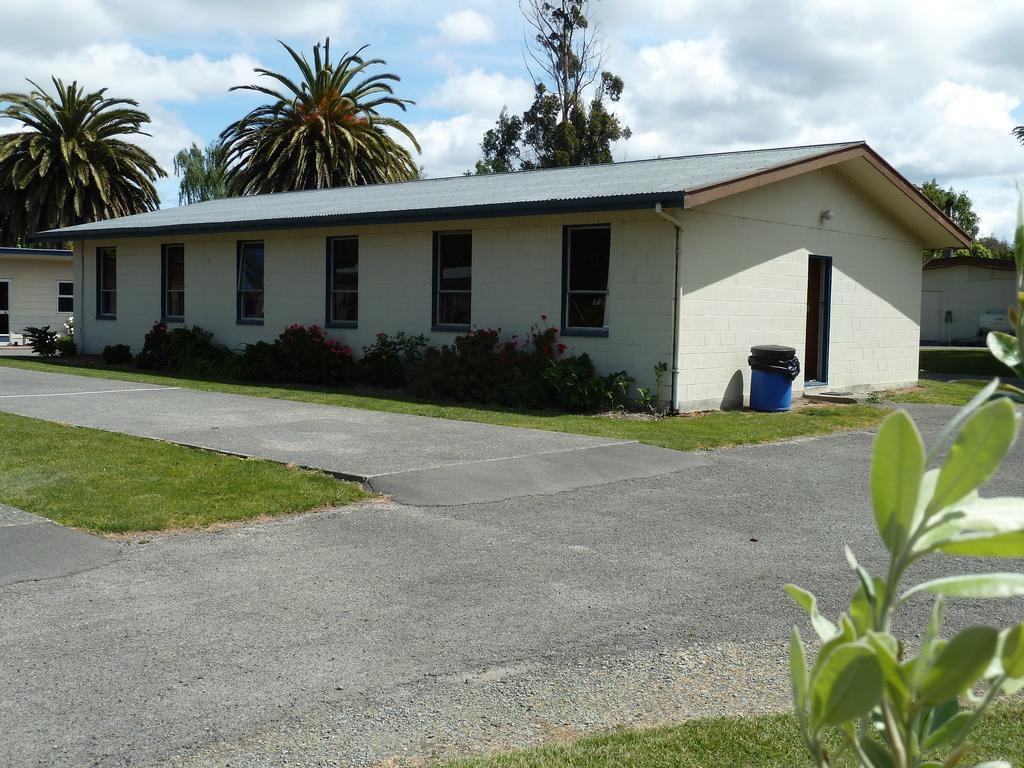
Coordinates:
(678, 224)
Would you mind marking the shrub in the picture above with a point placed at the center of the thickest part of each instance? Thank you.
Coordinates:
(117, 354)
(389, 361)
(66, 346)
(191, 351)
(479, 367)
(300, 355)
(155, 347)
(43, 341)
(578, 388)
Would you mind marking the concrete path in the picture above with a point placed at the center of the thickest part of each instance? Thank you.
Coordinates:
(416, 459)
(384, 631)
(33, 548)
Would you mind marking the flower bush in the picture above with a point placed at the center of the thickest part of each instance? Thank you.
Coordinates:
(155, 348)
(300, 355)
(531, 373)
(479, 366)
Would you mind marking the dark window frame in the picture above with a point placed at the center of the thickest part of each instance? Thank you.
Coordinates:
(329, 320)
(70, 296)
(166, 316)
(239, 319)
(566, 329)
(435, 304)
(102, 253)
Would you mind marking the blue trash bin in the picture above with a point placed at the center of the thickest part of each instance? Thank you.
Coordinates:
(772, 371)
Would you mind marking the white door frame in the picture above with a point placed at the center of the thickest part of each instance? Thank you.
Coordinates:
(5, 338)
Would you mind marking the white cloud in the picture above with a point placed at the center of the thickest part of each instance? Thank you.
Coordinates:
(466, 27)
(128, 71)
(481, 93)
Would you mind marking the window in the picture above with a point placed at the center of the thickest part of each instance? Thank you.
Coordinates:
(343, 281)
(65, 296)
(453, 279)
(250, 282)
(106, 283)
(172, 278)
(585, 280)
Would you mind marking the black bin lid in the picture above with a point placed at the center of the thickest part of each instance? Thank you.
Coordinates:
(772, 352)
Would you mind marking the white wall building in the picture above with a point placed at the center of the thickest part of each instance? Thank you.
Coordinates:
(963, 296)
(36, 289)
(687, 261)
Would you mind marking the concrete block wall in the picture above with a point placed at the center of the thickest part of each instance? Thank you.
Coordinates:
(517, 278)
(744, 282)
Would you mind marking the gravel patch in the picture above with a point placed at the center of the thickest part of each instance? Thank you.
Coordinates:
(502, 708)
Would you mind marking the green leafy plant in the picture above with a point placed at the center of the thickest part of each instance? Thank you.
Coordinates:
(155, 348)
(388, 361)
(43, 341)
(1009, 350)
(117, 354)
(889, 708)
(66, 346)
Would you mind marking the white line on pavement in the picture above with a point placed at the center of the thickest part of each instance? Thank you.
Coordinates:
(93, 392)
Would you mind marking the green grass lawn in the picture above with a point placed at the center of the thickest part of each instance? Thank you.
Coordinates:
(930, 392)
(684, 433)
(113, 483)
(767, 741)
(970, 361)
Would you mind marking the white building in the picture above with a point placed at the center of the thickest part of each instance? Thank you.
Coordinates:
(963, 296)
(36, 289)
(685, 260)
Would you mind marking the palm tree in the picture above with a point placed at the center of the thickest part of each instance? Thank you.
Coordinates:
(323, 131)
(1019, 133)
(69, 166)
(202, 172)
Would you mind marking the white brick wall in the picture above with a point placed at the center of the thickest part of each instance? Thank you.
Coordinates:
(744, 282)
(517, 277)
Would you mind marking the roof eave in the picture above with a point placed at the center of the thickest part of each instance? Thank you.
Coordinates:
(587, 205)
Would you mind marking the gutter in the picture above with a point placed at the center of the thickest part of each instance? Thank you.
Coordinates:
(677, 287)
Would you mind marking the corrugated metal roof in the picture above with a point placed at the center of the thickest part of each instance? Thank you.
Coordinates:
(618, 185)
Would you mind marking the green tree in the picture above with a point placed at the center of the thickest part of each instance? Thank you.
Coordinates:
(324, 130)
(202, 173)
(1019, 133)
(957, 205)
(561, 127)
(70, 165)
(996, 246)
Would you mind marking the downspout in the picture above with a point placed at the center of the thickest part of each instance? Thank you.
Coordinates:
(78, 314)
(677, 287)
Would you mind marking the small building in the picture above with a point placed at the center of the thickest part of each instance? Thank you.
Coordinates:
(687, 261)
(36, 289)
(964, 297)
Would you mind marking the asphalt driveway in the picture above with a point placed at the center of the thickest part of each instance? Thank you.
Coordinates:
(414, 459)
(393, 632)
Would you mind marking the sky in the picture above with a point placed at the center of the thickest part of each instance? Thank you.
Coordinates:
(935, 87)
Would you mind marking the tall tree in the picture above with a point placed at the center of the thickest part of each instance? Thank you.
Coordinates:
(1019, 133)
(565, 59)
(202, 173)
(957, 205)
(70, 165)
(324, 130)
